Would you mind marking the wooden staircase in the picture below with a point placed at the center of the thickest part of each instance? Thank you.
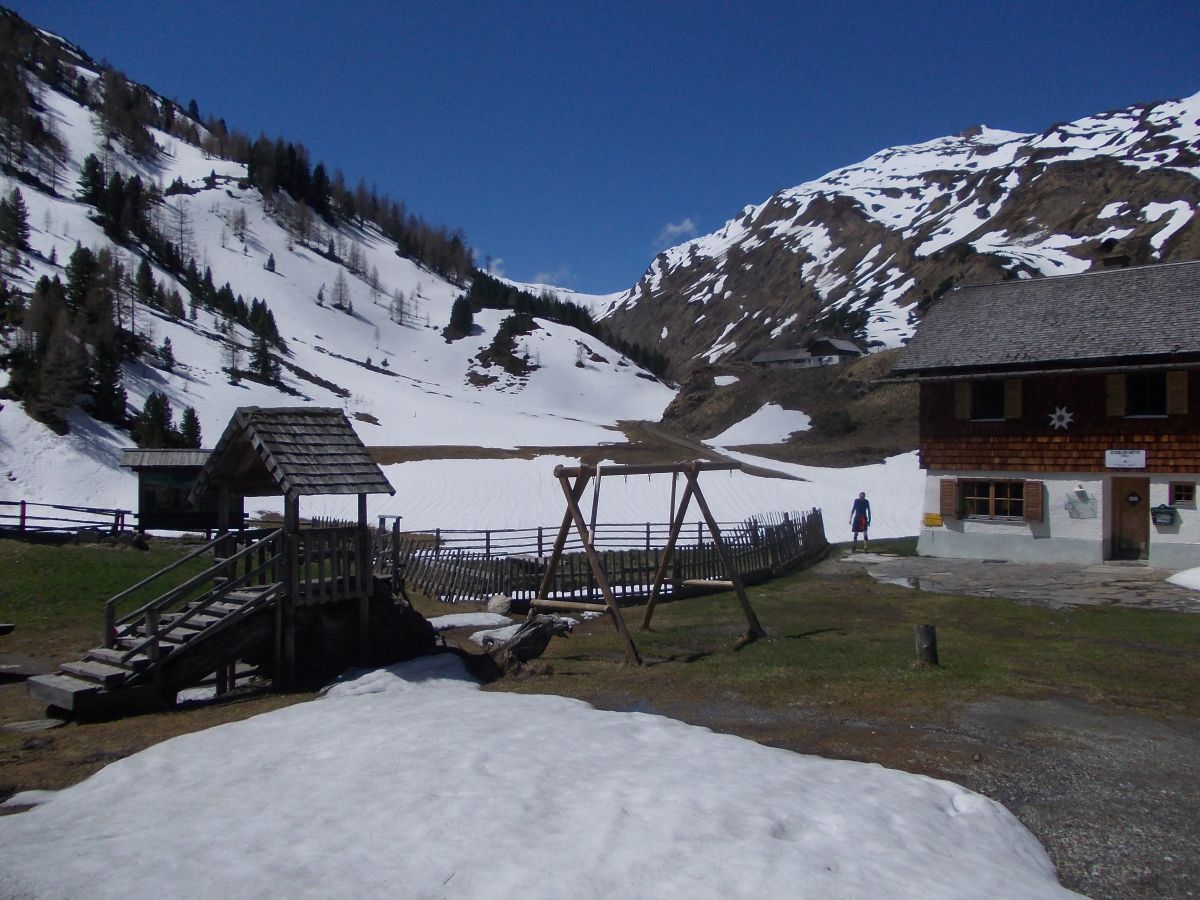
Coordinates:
(192, 630)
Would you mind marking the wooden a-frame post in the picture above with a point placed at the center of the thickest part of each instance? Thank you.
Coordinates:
(573, 492)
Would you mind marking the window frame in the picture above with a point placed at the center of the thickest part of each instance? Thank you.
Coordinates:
(1187, 489)
(1013, 502)
(1151, 399)
(990, 393)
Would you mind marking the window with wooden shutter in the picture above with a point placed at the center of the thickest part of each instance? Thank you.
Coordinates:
(1115, 395)
(1035, 510)
(948, 498)
(1012, 398)
(962, 400)
(1177, 393)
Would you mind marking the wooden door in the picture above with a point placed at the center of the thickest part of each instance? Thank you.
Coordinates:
(1131, 518)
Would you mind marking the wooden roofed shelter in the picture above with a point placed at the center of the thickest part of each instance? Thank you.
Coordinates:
(297, 452)
(582, 474)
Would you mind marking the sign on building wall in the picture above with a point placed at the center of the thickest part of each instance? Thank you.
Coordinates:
(1125, 459)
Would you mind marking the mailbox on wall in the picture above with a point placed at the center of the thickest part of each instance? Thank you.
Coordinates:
(1163, 515)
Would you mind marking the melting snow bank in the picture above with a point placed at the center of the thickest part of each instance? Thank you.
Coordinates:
(772, 424)
(1188, 578)
(408, 781)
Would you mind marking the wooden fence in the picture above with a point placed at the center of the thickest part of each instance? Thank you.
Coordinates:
(24, 517)
(472, 565)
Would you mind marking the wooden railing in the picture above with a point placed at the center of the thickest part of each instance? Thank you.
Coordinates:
(333, 564)
(473, 565)
(258, 563)
(24, 517)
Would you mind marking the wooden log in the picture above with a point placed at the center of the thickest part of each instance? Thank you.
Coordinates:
(927, 650)
(568, 605)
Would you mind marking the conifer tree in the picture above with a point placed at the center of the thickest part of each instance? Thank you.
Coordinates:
(144, 282)
(167, 354)
(189, 428)
(91, 181)
(154, 427)
(60, 376)
(14, 221)
(261, 362)
(462, 318)
(108, 394)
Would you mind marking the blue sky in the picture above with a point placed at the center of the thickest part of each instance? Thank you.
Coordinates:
(573, 141)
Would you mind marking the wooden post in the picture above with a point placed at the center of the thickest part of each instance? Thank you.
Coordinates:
(362, 582)
(23, 514)
(560, 541)
(287, 603)
(668, 551)
(631, 651)
(756, 630)
(927, 651)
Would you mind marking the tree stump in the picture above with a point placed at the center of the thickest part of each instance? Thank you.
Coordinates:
(927, 651)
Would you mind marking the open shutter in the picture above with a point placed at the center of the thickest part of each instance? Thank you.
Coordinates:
(1177, 393)
(1035, 509)
(1012, 398)
(962, 400)
(948, 498)
(1171, 494)
(1115, 395)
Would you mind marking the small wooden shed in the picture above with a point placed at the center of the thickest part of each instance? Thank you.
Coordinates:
(165, 479)
(296, 452)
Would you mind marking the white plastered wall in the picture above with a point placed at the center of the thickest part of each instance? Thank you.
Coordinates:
(1061, 537)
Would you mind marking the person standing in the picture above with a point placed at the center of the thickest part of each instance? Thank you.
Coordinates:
(860, 520)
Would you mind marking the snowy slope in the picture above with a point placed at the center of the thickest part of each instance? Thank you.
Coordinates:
(876, 237)
(415, 390)
(409, 782)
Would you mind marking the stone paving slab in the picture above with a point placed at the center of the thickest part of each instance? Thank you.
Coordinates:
(1056, 585)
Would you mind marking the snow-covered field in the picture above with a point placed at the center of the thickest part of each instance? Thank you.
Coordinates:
(409, 782)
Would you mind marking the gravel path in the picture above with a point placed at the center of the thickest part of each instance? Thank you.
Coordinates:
(1114, 799)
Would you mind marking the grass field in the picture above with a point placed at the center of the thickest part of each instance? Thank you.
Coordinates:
(837, 641)
(838, 638)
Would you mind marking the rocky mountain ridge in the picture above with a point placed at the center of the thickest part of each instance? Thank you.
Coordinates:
(863, 249)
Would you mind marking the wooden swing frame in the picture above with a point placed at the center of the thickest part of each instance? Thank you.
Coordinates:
(582, 474)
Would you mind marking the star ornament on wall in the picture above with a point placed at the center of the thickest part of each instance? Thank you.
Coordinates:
(1061, 418)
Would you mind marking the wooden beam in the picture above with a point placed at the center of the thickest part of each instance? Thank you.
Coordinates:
(756, 630)
(664, 469)
(668, 551)
(561, 541)
(631, 651)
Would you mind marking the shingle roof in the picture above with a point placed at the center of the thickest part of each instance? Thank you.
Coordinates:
(292, 451)
(163, 458)
(840, 344)
(1146, 312)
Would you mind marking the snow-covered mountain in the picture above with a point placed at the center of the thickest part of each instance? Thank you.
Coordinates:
(861, 249)
(362, 324)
